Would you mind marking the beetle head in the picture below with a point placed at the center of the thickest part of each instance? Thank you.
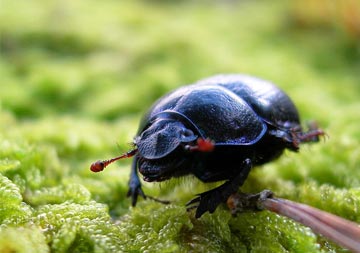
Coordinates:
(162, 137)
(163, 146)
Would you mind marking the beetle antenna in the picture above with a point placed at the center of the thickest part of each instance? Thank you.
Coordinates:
(101, 165)
(313, 133)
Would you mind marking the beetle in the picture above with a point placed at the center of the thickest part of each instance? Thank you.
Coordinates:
(217, 130)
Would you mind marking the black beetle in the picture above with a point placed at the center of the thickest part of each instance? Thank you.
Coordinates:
(216, 129)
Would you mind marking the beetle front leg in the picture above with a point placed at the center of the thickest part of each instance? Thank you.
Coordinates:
(209, 201)
(134, 183)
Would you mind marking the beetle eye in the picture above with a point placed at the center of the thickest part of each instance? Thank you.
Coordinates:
(187, 135)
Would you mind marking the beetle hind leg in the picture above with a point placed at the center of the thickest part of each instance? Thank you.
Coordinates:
(241, 202)
(209, 200)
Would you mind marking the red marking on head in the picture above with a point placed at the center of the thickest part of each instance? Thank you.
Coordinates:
(205, 145)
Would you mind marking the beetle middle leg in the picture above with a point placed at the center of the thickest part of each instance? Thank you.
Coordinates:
(209, 200)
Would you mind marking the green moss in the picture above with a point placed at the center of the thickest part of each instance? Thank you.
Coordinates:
(76, 76)
(13, 210)
(22, 240)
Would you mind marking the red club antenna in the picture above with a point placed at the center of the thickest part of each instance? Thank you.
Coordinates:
(101, 165)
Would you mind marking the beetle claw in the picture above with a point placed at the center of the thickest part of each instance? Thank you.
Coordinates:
(193, 201)
(209, 201)
(134, 192)
(165, 202)
(193, 204)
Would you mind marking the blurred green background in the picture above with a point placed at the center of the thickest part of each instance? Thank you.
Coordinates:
(76, 76)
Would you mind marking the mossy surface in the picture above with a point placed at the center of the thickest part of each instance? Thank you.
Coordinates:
(76, 76)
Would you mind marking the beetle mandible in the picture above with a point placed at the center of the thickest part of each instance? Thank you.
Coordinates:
(217, 130)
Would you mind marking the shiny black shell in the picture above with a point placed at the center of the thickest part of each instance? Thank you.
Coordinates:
(228, 109)
(249, 121)
(246, 117)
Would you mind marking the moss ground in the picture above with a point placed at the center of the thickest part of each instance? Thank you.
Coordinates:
(75, 77)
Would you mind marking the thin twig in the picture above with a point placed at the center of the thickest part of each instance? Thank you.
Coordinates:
(343, 232)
